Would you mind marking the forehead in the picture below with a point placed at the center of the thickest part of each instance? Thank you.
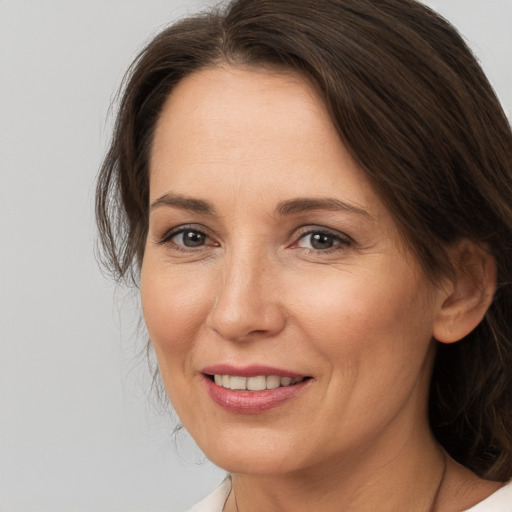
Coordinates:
(231, 125)
(231, 107)
(234, 92)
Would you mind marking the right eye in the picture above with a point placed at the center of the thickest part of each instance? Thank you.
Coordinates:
(189, 238)
(186, 238)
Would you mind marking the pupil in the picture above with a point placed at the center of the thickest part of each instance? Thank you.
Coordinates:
(320, 241)
(193, 239)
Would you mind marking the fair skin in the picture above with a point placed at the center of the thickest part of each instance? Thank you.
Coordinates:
(267, 247)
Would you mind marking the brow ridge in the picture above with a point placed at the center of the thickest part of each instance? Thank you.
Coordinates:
(287, 207)
(184, 203)
(305, 204)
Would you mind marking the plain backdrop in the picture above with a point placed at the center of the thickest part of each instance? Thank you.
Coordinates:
(78, 431)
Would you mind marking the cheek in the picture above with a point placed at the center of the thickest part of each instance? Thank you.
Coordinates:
(365, 315)
(372, 337)
(175, 305)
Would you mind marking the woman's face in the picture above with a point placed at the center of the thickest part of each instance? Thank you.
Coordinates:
(269, 258)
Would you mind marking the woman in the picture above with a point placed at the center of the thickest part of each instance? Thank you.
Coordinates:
(316, 200)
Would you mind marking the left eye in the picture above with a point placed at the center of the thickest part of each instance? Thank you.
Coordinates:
(320, 241)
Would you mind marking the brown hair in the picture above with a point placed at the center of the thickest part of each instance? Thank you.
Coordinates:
(414, 108)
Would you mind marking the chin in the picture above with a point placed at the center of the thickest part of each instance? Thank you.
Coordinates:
(252, 462)
(255, 452)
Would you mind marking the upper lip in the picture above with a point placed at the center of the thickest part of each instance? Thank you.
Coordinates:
(253, 370)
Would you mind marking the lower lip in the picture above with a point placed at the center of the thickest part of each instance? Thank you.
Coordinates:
(252, 402)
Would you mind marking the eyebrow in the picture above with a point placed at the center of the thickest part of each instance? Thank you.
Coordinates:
(184, 203)
(305, 204)
(289, 207)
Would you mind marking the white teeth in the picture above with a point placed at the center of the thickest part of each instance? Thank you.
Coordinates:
(259, 383)
(273, 382)
(286, 381)
(238, 382)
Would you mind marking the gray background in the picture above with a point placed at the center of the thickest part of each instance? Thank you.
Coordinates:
(77, 429)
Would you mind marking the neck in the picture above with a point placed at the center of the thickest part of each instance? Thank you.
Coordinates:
(407, 477)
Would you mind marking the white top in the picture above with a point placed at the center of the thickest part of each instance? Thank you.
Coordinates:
(215, 501)
(500, 501)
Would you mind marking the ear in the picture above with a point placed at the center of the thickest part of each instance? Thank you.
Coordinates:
(468, 294)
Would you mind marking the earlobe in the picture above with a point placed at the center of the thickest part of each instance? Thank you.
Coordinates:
(468, 294)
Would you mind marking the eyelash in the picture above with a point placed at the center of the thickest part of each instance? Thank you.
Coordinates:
(167, 238)
(340, 241)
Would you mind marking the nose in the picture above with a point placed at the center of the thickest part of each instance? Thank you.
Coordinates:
(247, 304)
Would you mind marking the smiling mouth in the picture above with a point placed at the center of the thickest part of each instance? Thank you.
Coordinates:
(258, 383)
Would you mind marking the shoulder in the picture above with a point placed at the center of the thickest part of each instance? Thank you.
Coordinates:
(500, 501)
(215, 501)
